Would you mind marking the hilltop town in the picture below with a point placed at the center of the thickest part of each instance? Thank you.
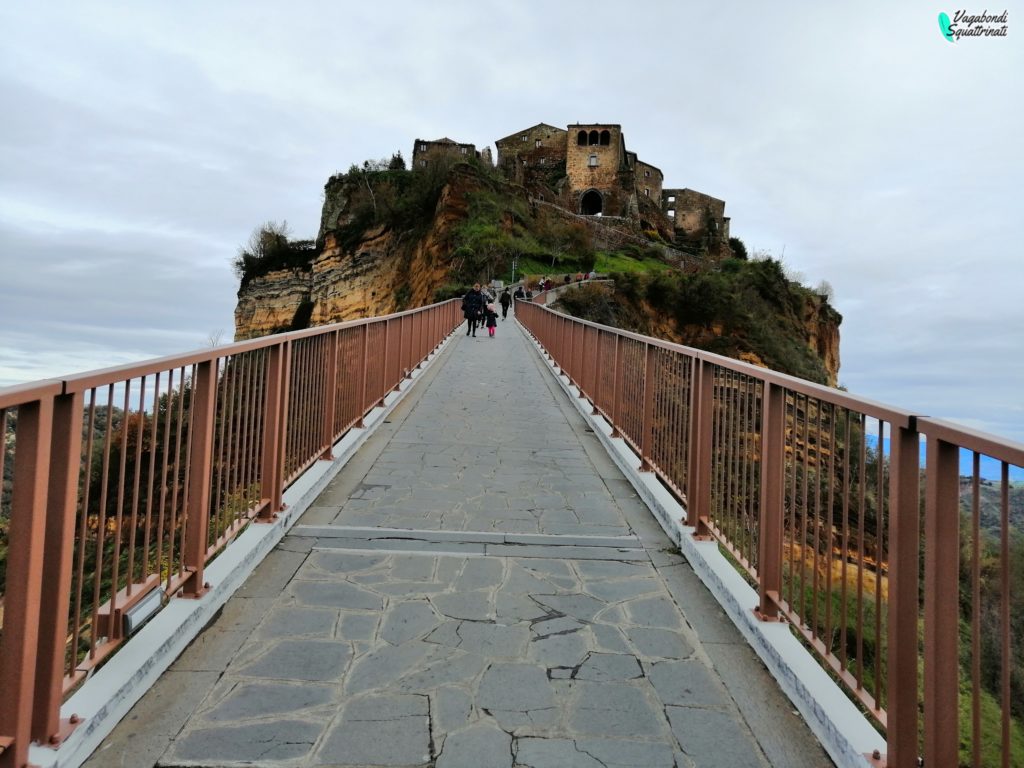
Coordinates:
(588, 170)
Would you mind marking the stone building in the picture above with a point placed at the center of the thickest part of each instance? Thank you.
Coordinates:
(696, 218)
(423, 150)
(588, 169)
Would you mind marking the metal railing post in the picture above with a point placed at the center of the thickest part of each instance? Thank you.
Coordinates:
(647, 430)
(698, 471)
(904, 554)
(204, 409)
(272, 470)
(597, 375)
(25, 558)
(363, 373)
(61, 504)
(941, 603)
(773, 470)
(330, 394)
(616, 387)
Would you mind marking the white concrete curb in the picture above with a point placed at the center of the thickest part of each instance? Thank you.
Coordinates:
(843, 731)
(109, 694)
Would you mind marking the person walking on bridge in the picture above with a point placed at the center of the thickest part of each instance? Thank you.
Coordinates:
(473, 308)
(506, 302)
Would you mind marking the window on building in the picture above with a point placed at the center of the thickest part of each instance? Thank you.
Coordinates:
(423, 163)
(671, 198)
(647, 174)
(463, 150)
(581, 138)
(423, 147)
(523, 137)
(647, 191)
(542, 161)
(536, 143)
(671, 213)
(593, 161)
(606, 138)
(593, 138)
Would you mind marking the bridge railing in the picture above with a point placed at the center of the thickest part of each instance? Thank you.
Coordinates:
(120, 485)
(902, 573)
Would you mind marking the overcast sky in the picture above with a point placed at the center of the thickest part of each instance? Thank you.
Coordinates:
(140, 143)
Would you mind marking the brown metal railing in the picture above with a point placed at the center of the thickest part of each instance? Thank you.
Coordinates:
(905, 578)
(124, 481)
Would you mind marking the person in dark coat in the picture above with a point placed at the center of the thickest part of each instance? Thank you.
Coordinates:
(473, 308)
(506, 302)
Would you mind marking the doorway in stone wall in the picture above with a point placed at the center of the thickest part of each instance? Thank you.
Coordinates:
(591, 203)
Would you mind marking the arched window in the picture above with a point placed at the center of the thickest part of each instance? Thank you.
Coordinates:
(581, 138)
(591, 203)
(606, 138)
(594, 138)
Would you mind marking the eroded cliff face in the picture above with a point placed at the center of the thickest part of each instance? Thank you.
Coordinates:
(363, 271)
(384, 270)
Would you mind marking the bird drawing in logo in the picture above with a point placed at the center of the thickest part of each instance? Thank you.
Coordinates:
(944, 27)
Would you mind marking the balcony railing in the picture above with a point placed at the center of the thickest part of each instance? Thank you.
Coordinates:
(894, 571)
(120, 485)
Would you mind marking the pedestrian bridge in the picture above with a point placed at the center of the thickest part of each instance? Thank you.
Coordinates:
(385, 543)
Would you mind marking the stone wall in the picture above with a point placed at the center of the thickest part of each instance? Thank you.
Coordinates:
(423, 151)
(696, 215)
(648, 180)
(529, 147)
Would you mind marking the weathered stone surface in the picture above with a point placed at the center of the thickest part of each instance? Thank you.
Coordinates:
(614, 709)
(542, 753)
(336, 595)
(476, 606)
(384, 666)
(312, 660)
(687, 683)
(582, 607)
(479, 746)
(408, 620)
(261, 699)
(712, 738)
(291, 621)
(654, 612)
(515, 687)
(609, 666)
(659, 643)
(380, 731)
(276, 740)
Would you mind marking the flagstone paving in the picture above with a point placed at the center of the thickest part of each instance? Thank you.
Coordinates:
(479, 587)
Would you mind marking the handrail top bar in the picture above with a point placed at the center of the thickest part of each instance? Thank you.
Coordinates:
(888, 413)
(998, 448)
(20, 394)
(81, 382)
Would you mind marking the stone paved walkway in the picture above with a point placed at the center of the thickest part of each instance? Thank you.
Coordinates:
(480, 587)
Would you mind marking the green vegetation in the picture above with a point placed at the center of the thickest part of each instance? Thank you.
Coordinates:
(269, 249)
(745, 307)
(500, 227)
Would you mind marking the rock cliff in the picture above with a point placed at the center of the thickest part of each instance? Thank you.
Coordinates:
(390, 240)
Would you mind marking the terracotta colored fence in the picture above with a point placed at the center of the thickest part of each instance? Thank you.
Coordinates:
(120, 485)
(887, 540)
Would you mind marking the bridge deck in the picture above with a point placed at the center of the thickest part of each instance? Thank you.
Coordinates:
(479, 587)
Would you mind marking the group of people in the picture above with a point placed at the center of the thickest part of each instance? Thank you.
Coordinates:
(479, 311)
(546, 283)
